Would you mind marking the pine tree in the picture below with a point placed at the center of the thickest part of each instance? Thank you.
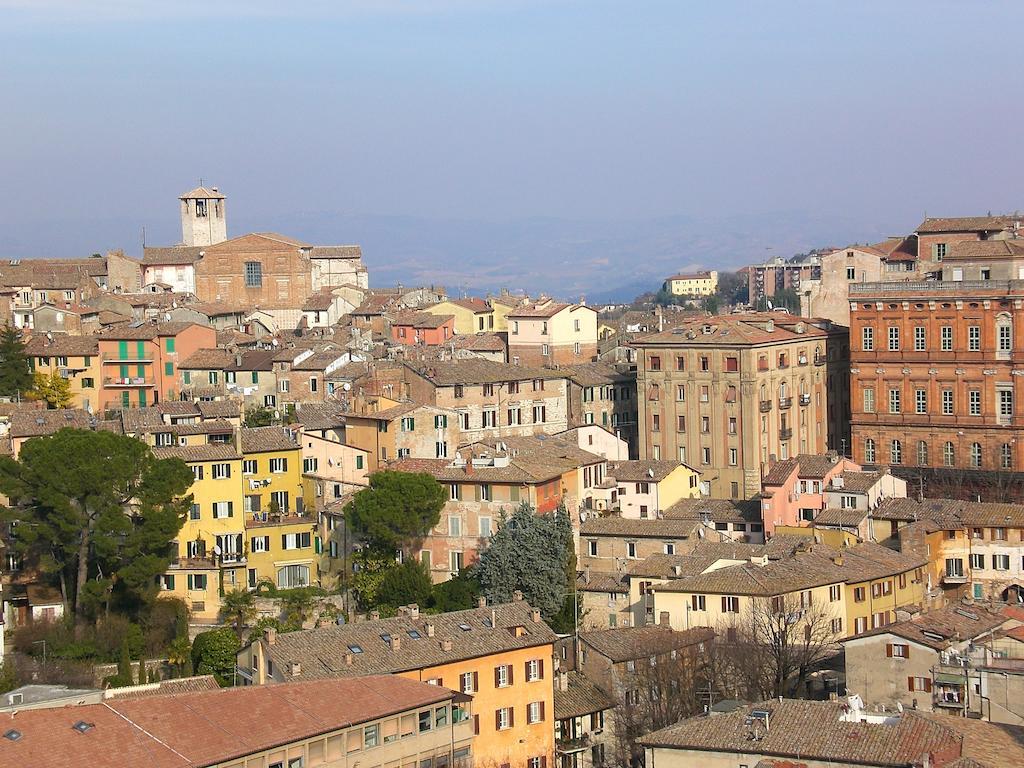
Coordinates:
(142, 672)
(15, 373)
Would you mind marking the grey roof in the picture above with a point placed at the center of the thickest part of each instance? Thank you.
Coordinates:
(581, 697)
(36, 423)
(332, 651)
(629, 643)
(263, 439)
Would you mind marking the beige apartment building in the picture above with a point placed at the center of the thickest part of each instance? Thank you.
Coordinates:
(550, 333)
(730, 393)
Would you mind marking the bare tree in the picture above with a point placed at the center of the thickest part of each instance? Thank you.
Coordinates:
(659, 691)
(770, 649)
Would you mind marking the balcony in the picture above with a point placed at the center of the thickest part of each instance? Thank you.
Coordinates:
(115, 382)
(113, 359)
(785, 433)
(569, 746)
(785, 402)
(805, 399)
(952, 577)
(766, 406)
(819, 359)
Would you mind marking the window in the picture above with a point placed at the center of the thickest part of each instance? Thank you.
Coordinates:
(978, 562)
(867, 338)
(371, 736)
(1004, 336)
(894, 338)
(835, 593)
(197, 582)
(894, 401)
(655, 363)
(503, 718)
(260, 544)
(1005, 395)
(454, 525)
(426, 721)
(898, 650)
(705, 424)
(253, 274)
(859, 594)
(946, 338)
(851, 273)
(947, 402)
(680, 363)
(534, 670)
(730, 604)
(1001, 562)
(669, 548)
(974, 338)
(733, 457)
(469, 682)
(896, 452)
(976, 455)
(921, 400)
(631, 549)
(503, 676)
(922, 453)
(534, 713)
(922, 684)
(222, 509)
(441, 449)
(860, 624)
(197, 472)
(283, 385)
(221, 471)
(1006, 456)
(592, 547)
(295, 540)
(278, 465)
(249, 467)
(359, 462)
(698, 602)
(974, 402)
(869, 399)
(919, 338)
(194, 512)
(293, 576)
(309, 465)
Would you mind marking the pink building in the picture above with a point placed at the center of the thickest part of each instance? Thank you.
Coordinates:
(422, 328)
(793, 490)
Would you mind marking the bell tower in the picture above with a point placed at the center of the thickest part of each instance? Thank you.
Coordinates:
(203, 217)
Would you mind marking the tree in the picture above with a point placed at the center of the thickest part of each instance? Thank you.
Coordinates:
(770, 649)
(95, 505)
(259, 417)
(142, 672)
(530, 553)
(239, 608)
(396, 510)
(733, 288)
(214, 652)
(404, 584)
(457, 594)
(784, 298)
(179, 655)
(8, 675)
(52, 388)
(15, 373)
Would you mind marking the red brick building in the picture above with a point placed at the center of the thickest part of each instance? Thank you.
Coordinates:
(936, 374)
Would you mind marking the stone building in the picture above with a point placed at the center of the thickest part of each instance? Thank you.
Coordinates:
(728, 394)
(601, 393)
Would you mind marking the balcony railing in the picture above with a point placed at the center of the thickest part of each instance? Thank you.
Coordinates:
(785, 433)
(766, 406)
(819, 359)
(952, 577)
(805, 399)
(785, 402)
(127, 358)
(934, 287)
(126, 381)
(568, 746)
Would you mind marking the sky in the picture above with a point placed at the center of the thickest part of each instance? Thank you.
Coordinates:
(866, 114)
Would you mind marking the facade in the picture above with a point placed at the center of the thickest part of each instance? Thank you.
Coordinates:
(75, 358)
(729, 394)
(764, 280)
(374, 719)
(500, 655)
(827, 294)
(584, 722)
(933, 384)
(402, 430)
(551, 333)
(645, 489)
(493, 399)
(472, 315)
(416, 329)
(140, 361)
(603, 394)
(694, 284)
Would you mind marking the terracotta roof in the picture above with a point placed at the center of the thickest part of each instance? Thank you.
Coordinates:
(165, 688)
(322, 652)
(719, 510)
(61, 344)
(219, 409)
(336, 252)
(206, 728)
(952, 512)
(858, 482)
(630, 643)
(252, 360)
(811, 730)
(177, 408)
(601, 581)
(175, 255)
(581, 697)
(414, 319)
(595, 374)
(642, 471)
(194, 453)
(36, 423)
(321, 300)
(943, 627)
(740, 331)
(780, 472)
(841, 518)
(985, 249)
(639, 528)
(472, 303)
(318, 416)
(988, 745)
(479, 342)
(966, 224)
(539, 309)
(207, 359)
(446, 373)
(264, 439)
(143, 331)
(816, 466)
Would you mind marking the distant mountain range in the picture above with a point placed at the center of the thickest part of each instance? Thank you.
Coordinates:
(606, 261)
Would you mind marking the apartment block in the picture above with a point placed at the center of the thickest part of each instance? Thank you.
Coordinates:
(933, 376)
(692, 284)
(552, 333)
(603, 394)
(75, 358)
(729, 394)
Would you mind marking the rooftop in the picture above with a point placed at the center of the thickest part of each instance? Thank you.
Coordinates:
(265, 439)
(943, 627)
(630, 643)
(740, 330)
(581, 697)
(446, 373)
(966, 224)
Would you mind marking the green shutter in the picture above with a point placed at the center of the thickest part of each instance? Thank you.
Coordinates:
(170, 344)
(412, 424)
(124, 371)
(140, 348)
(142, 398)
(476, 490)
(317, 545)
(170, 581)
(140, 371)
(126, 398)
(122, 349)
(168, 369)
(935, 250)
(513, 493)
(187, 377)
(359, 462)
(86, 362)
(255, 377)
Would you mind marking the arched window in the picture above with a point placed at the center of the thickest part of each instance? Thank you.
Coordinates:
(1006, 456)
(782, 391)
(976, 455)
(896, 452)
(655, 392)
(1004, 335)
(869, 451)
(764, 393)
(948, 454)
(922, 453)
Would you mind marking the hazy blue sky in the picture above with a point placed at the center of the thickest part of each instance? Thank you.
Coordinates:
(874, 112)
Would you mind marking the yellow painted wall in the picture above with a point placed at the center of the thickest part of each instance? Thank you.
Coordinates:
(911, 593)
(268, 563)
(81, 371)
(682, 483)
(466, 321)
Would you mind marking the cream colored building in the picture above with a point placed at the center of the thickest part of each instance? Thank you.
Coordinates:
(693, 284)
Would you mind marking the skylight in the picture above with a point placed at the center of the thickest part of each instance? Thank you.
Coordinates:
(12, 735)
(81, 726)
(465, 627)
(355, 648)
(414, 634)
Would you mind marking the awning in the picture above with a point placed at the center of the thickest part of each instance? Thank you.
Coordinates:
(950, 678)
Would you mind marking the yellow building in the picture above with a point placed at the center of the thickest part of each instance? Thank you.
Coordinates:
(75, 358)
(247, 524)
(848, 591)
(694, 284)
(472, 315)
(500, 655)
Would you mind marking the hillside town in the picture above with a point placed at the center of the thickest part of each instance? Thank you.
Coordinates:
(258, 513)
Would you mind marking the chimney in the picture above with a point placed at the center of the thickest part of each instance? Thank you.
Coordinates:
(663, 619)
(563, 681)
(446, 644)
(414, 611)
(481, 602)
(494, 619)
(348, 659)
(535, 615)
(838, 560)
(430, 629)
(295, 669)
(586, 574)
(396, 643)
(374, 615)
(517, 596)
(270, 635)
